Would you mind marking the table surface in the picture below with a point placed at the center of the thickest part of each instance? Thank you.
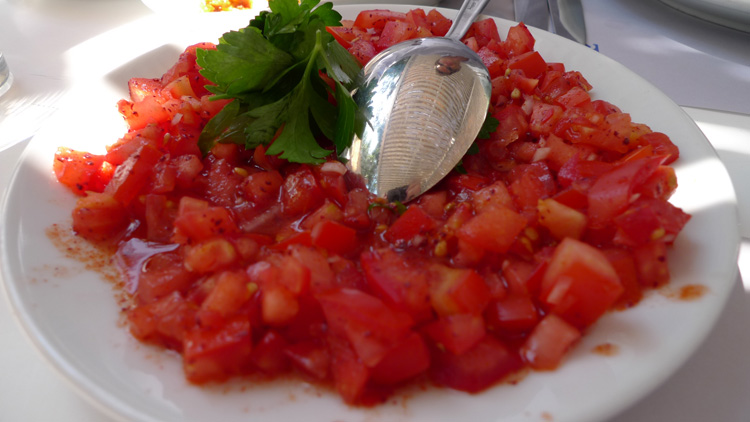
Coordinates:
(712, 386)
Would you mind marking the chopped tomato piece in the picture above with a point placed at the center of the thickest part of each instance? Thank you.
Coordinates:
(487, 363)
(99, 217)
(547, 345)
(495, 228)
(392, 277)
(215, 354)
(411, 223)
(580, 284)
(457, 333)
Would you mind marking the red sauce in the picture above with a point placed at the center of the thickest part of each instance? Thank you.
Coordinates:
(606, 349)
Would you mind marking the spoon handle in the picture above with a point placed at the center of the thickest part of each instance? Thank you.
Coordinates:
(469, 11)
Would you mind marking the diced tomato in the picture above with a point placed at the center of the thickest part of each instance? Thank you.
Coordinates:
(350, 375)
(334, 237)
(164, 322)
(132, 175)
(492, 61)
(612, 192)
(485, 30)
(439, 24)
(405, 360)
(343, 35)
(377, 18)
(457, 291)
(309, 357)
(513, 124)
(228, 295)
(202, 223)
(268, 355)
(210, 255)
(547, 345)
(651, 264)
(531, 63)
(622, 261)
(648, 220)
(99, 217)
(580, 284)
(160, 274)
(487, 363)
(300, 192)
(401, 284)
(372, 328)
(411, 223)
(514, 314)
(262, 188)
(562, 221)
(662, 145)
(81, 171)
(394, 32)
(495, 228)
(363, 51)
(215, 354)
(519, 40)
(456, 333)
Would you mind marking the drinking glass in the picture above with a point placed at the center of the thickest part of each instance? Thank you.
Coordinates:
(6, 78)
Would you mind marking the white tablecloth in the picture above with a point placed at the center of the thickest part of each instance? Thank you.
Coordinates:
(645, 35)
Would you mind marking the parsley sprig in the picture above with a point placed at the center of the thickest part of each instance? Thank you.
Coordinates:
(272, 71)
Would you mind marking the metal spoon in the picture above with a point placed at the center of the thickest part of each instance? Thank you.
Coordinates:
(425, 101)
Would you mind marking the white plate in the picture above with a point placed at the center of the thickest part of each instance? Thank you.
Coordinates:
(731, 13)
(72, 317)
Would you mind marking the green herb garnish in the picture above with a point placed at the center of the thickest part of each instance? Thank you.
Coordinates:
(271, 70)
(490, 125)
(396, 206)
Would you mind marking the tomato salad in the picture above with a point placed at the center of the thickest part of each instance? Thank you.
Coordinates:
(248, 263)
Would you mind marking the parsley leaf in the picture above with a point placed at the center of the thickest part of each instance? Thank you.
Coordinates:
(271, 69)
(490, 125)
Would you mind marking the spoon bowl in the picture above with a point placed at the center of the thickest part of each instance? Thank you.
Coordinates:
(423, 102)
